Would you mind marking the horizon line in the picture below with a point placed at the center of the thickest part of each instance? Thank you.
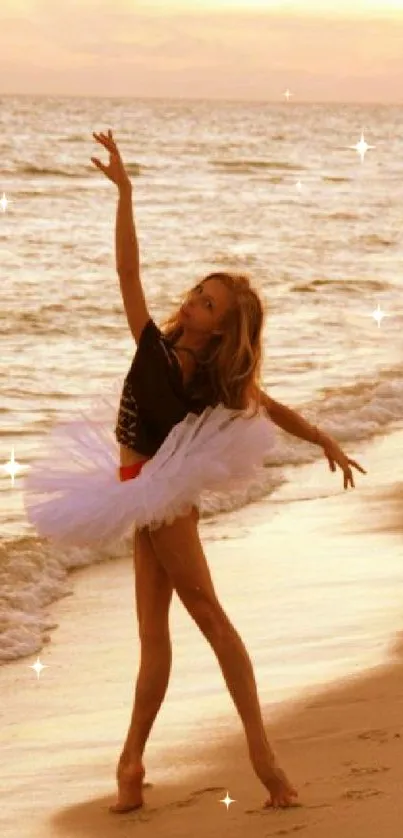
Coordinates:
(267, 101)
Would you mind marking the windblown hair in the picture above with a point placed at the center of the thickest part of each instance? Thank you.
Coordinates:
(230, 365)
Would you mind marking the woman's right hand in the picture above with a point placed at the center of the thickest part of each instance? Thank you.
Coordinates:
(116, 171)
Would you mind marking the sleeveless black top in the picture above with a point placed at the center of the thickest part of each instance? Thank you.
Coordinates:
(154, 397)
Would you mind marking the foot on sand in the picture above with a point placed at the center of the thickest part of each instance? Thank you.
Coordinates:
(280, 788)
(130, 784)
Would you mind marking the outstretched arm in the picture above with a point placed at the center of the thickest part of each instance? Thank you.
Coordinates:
(291, 421)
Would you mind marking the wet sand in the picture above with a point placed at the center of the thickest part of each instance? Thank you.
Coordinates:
(341, 745)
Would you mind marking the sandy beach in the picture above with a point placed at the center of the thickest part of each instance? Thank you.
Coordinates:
(341, 744)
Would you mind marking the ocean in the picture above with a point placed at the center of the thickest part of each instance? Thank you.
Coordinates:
(273, 190)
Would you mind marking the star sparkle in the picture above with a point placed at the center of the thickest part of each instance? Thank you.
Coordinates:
(362, 147)
(12, 467)
(378, 315)
(4, 202)
(227, 800)
(38, 666)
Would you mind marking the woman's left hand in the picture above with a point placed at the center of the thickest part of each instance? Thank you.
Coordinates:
(335, 455)
(115, 171)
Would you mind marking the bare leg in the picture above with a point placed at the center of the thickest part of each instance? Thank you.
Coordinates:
(151, 686)
(179, 549)
(152, 683)
(153, 598)
(238, 673)
(237, 670)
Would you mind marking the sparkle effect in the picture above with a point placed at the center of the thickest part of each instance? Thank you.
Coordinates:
(378, 315)
(362, 147)
(38, 666)
(12, 467)
(227, 800)
(4, 202)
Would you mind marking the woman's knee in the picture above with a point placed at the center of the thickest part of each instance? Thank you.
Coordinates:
(179, 550)
(154, 636)
(205, 609)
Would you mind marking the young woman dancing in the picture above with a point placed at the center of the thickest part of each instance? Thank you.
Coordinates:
(191, 419)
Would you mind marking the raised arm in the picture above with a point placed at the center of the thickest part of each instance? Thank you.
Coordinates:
(127, 248)
(128, 264)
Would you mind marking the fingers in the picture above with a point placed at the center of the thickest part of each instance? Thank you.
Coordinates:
(358, 466)
(101, 134)
(348, 474)
(105, 140)
(100, 138)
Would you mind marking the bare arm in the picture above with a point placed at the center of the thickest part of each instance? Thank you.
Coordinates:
(127, 246)
(128, 264)
(291, 421)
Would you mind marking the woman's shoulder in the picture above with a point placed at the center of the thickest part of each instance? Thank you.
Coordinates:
(152, 334)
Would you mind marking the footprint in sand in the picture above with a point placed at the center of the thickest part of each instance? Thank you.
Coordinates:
(375, 769)
(380, 736)
(262, 811)
(361, 794)
(190, 801)
(208, 790)
(180, 804)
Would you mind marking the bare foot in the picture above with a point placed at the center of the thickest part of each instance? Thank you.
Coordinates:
(280, 788)
(130, 784)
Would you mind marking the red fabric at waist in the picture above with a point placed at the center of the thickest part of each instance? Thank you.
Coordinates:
(127, 472)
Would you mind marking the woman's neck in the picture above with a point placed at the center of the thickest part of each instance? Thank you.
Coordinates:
(182, 343)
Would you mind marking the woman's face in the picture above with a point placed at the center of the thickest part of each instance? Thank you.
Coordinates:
(204, 306)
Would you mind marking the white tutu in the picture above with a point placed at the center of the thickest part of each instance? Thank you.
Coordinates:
(73, 494)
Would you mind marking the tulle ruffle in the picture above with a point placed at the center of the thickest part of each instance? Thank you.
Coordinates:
(73, 494)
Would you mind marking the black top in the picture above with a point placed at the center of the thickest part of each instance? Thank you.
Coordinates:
(154, 397)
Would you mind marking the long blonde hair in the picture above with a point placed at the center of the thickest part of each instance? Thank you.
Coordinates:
(230, 364)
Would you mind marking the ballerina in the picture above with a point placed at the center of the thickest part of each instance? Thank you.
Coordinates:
(186, 424)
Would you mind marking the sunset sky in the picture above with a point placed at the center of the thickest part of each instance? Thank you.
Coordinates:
(214, 49)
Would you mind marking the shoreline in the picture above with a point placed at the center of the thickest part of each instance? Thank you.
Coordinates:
(340, 744)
